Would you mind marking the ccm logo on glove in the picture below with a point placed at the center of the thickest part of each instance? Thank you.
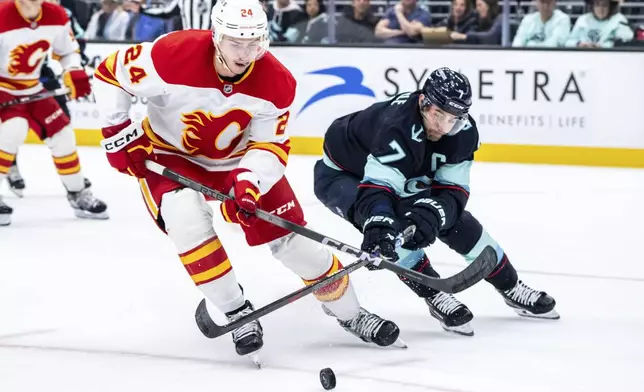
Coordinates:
(122, 139)
(434, 204)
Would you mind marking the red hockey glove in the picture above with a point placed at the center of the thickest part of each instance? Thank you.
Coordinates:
(128, 147)
(245, 189)
(78, 83)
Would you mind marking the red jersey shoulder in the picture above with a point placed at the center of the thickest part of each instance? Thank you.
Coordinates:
(51, 15)
(186, 58)
(272, 81)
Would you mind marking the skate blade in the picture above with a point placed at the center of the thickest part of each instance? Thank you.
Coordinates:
(400, 344)
(5, 219)
(463, 330)
(18, 192)
(254, 357)
(551, 315)
(88, 215)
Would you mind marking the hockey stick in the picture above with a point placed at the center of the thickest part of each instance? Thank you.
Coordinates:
(479, 269)
(35, 97)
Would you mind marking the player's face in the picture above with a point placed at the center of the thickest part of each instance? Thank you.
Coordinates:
(239, 53)
(438, 123)
(31, 3)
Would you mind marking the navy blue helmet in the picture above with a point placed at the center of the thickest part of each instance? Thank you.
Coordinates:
(449, 90)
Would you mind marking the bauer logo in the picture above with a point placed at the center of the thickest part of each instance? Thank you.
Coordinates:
(352, 79)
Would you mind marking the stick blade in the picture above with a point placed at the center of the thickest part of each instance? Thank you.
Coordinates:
(205, 323)
(480, 268)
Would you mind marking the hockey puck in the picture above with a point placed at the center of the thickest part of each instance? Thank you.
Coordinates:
(327, 378)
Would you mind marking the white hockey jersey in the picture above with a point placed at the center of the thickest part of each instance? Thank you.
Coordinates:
(193, 113)
(24, 44)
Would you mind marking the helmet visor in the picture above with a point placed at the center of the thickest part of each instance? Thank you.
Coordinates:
(443, 123)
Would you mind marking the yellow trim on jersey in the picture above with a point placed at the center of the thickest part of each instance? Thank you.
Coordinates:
(272, 148)
(149, 201)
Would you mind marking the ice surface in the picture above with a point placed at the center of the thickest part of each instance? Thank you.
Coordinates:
(107, 306)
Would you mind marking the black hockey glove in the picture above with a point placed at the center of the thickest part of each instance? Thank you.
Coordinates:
(428, 216)
(380, 233)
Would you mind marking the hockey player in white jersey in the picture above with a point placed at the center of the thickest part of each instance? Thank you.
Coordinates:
(218, 107)
(29, 30)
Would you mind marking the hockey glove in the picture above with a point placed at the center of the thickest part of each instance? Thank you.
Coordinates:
(244, 186)
(78, 83)
(128, 147)
(380, 233)
(428, 216)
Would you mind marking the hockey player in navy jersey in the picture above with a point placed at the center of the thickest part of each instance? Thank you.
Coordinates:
(406, 161)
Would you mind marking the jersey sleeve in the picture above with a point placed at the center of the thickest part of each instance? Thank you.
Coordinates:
(65, 48)
(392, 161)
(268, 146)
(124, 74)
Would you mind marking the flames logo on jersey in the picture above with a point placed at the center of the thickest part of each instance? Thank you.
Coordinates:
(26, 58)
(211, 136)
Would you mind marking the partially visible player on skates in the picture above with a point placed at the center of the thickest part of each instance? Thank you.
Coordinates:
(28, 31)
(218, 107)
(407, 162)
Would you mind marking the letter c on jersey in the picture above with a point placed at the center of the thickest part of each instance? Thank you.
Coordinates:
(211, 136)
(24, 59)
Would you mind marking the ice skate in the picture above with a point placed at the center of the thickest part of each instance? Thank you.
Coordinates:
(371, 328)
(16, 182)
(453, 315)
(5, 213)
(249, 338)
(86, 206)
(528, 302)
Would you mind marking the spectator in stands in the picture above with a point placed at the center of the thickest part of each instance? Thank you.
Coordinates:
(487, 30)
(547, 27)
(360, 12)
(315, 15)
(283, 15)
(601, 27)
(144, 26)
(133, 7)
(109, 23)
(402, 23)
(461, 18)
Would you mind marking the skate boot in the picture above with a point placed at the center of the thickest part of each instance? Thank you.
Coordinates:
(16, 182)
(5, 213)
(453, 315)
(371, 328)
(86, 206)
(529, 302)
(248, 338)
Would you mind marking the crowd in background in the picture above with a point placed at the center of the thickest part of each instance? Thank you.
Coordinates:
(536, 23)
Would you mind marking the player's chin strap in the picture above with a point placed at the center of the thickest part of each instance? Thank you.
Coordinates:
(479, 269)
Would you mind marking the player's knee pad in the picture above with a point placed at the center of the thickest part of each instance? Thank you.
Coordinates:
(469, 238)
(308, 259)
(13, 133)
(187, 218)
(62, 143)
